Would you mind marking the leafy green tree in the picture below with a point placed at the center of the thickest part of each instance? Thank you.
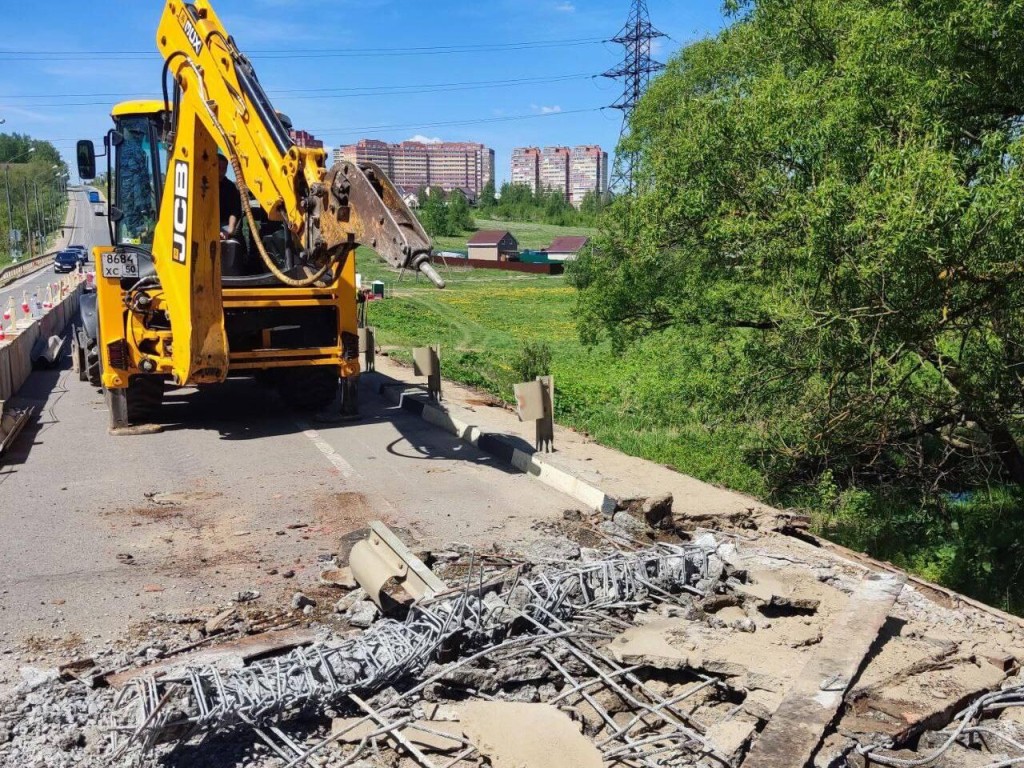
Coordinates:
(433, 214)
(831, 193)
(458, 216)
(36, 201)
(487, 197)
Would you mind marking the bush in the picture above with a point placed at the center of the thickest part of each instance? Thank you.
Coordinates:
(532, 361)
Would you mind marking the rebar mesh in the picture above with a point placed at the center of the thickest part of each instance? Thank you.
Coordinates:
(153, 710)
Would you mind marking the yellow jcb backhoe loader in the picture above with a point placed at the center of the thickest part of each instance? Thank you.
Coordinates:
(175, 302)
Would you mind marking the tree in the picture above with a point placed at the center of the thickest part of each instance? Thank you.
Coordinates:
(831, 192)
(36, 200)
(433, 215)
(487, 196)
(458, 216)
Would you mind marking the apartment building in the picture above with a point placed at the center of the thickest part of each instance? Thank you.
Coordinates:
(414, 165)
(588, 172)
(367, 151)
(573, 172)
(305, 140)
(554, 170)
(526, 167)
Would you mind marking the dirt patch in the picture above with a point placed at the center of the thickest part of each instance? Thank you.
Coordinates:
(154, 514)
(339, 513)
(53, 645)
(181, 498)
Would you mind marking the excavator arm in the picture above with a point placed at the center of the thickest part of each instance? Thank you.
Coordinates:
(219, 104)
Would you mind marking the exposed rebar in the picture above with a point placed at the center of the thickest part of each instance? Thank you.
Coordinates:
(173, 709)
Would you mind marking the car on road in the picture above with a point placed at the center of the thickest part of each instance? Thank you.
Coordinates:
(66, 261)
(84, 259)
(100, 212)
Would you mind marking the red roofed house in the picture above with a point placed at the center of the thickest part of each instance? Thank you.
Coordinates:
(493, 245)
(566, 248)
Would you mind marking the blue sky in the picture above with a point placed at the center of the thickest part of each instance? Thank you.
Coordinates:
(61, 94)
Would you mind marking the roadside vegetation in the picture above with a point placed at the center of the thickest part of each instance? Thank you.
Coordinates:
(28, 175)
(829, 211)
(498, 328)
(815, 294)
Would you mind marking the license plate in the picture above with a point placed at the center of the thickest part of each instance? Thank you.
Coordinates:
(120, 264)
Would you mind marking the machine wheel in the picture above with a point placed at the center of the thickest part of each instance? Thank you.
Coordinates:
(145, 395)
(310, 388)
(92, 363)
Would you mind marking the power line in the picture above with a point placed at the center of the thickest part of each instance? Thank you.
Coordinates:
(444, 123)
(121, 55)
(316, 93)
(415, 126)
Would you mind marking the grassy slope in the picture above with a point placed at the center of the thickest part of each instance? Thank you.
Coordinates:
(482, 321)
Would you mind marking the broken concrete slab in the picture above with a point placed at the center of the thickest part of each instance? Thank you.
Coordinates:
(515, 735)
(767, 658)
(218, 622)
(657, 510)
(792, 588)
(731, 736)
(920, 697)
(793, 734)
(338, 577)
(651, 645)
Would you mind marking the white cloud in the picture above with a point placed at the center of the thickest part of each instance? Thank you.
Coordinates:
(566, 8)
(425, 139)
(542, 110)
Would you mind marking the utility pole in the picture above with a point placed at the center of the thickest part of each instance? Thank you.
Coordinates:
(10, 212)
(635, 73)
(39, 214)
(28, 224)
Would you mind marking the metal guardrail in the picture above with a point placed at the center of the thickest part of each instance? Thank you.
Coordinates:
(22, 268)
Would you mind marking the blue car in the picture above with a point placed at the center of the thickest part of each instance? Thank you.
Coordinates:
(66, 261)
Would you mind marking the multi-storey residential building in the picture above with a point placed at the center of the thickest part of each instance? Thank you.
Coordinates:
(526, 167)
(305, 140)
(572, 172)
(554, 170)
(588, 172)
(367, 151)
(415, 165)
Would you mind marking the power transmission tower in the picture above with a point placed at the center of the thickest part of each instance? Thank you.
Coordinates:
(635, 72)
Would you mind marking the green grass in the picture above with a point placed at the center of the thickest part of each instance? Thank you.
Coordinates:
(482, 321)
(648, 402)
(530, 235)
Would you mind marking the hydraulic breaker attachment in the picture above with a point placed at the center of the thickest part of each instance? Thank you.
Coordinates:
(361, 205)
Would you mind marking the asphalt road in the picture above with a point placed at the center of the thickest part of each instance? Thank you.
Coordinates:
(97, 531)
(86, 229)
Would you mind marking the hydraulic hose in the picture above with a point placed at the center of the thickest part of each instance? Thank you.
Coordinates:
(243, 191)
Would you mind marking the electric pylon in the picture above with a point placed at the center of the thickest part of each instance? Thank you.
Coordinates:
(635, 72)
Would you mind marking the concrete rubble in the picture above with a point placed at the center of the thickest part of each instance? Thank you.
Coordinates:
(604, 642)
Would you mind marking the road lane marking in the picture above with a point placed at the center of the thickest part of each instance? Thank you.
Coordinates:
(347, 470)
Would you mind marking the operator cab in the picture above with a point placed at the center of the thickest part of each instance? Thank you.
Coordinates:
(137, 152)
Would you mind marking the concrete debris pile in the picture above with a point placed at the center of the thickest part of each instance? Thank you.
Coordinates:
(724, 649)
(519, 612)
(989, 732)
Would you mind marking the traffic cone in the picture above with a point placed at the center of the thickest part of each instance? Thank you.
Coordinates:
(3, 333)
(25, 306)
